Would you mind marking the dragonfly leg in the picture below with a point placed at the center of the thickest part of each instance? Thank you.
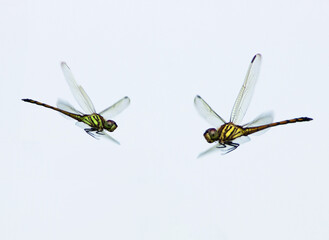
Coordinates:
(233, 147)
(221, 146)
(91, 132)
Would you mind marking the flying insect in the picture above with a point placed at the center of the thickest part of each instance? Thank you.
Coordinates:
(230, 135)
(95, 124)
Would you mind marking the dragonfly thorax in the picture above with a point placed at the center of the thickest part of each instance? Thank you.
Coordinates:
(229, 132)
(97, 122)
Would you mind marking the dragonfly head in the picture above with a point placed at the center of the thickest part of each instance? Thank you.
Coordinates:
(211, 135)
(110, 125)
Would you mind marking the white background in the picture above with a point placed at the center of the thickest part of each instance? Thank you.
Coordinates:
(57, 182)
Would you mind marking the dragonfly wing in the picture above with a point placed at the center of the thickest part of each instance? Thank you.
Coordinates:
(116, 108)
(241, 140)
(105, 135)
(82, 125)
(78, 92)
(61, 104)
(215, 148)
(263, 119)
(224, 149)
(207, 113)
(243, 100)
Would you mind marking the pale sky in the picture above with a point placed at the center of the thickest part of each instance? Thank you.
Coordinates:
(59, 183)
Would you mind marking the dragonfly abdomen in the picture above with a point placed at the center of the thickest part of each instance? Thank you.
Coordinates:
(251, 130)
(72, 115)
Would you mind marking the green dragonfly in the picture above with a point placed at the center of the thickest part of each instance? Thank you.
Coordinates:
(229, 135)
(93, 123)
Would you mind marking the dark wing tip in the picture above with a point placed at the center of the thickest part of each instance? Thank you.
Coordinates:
(257, 55)
(63, 64)
(196, 98)
(126, 97)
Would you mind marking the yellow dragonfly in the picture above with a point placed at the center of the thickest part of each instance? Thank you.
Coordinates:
(93, 123)
(230, 135)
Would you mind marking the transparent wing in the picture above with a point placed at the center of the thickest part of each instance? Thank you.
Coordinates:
(215, 148)
(263, 119)
(61, 104)
(224, 149)
(82, 125)
(105, 135)
(95, 134)
(243, 100)
(116, 108)
(78, 92)
(241, 140)
(207, 113)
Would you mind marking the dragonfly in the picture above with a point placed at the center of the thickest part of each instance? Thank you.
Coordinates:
(95, 124)
(230, 135)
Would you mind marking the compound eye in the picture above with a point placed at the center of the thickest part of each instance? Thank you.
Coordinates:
(211, 135)
(112, 125)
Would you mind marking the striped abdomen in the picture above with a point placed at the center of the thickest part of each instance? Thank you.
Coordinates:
(72, 115)
(251, 130)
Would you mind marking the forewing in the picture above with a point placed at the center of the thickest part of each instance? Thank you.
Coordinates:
(116, 108)
(105, 135)
(224, 149)
(215, 148)
(207, 113)
(78, 92)
(243, 100)
(263, 119)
